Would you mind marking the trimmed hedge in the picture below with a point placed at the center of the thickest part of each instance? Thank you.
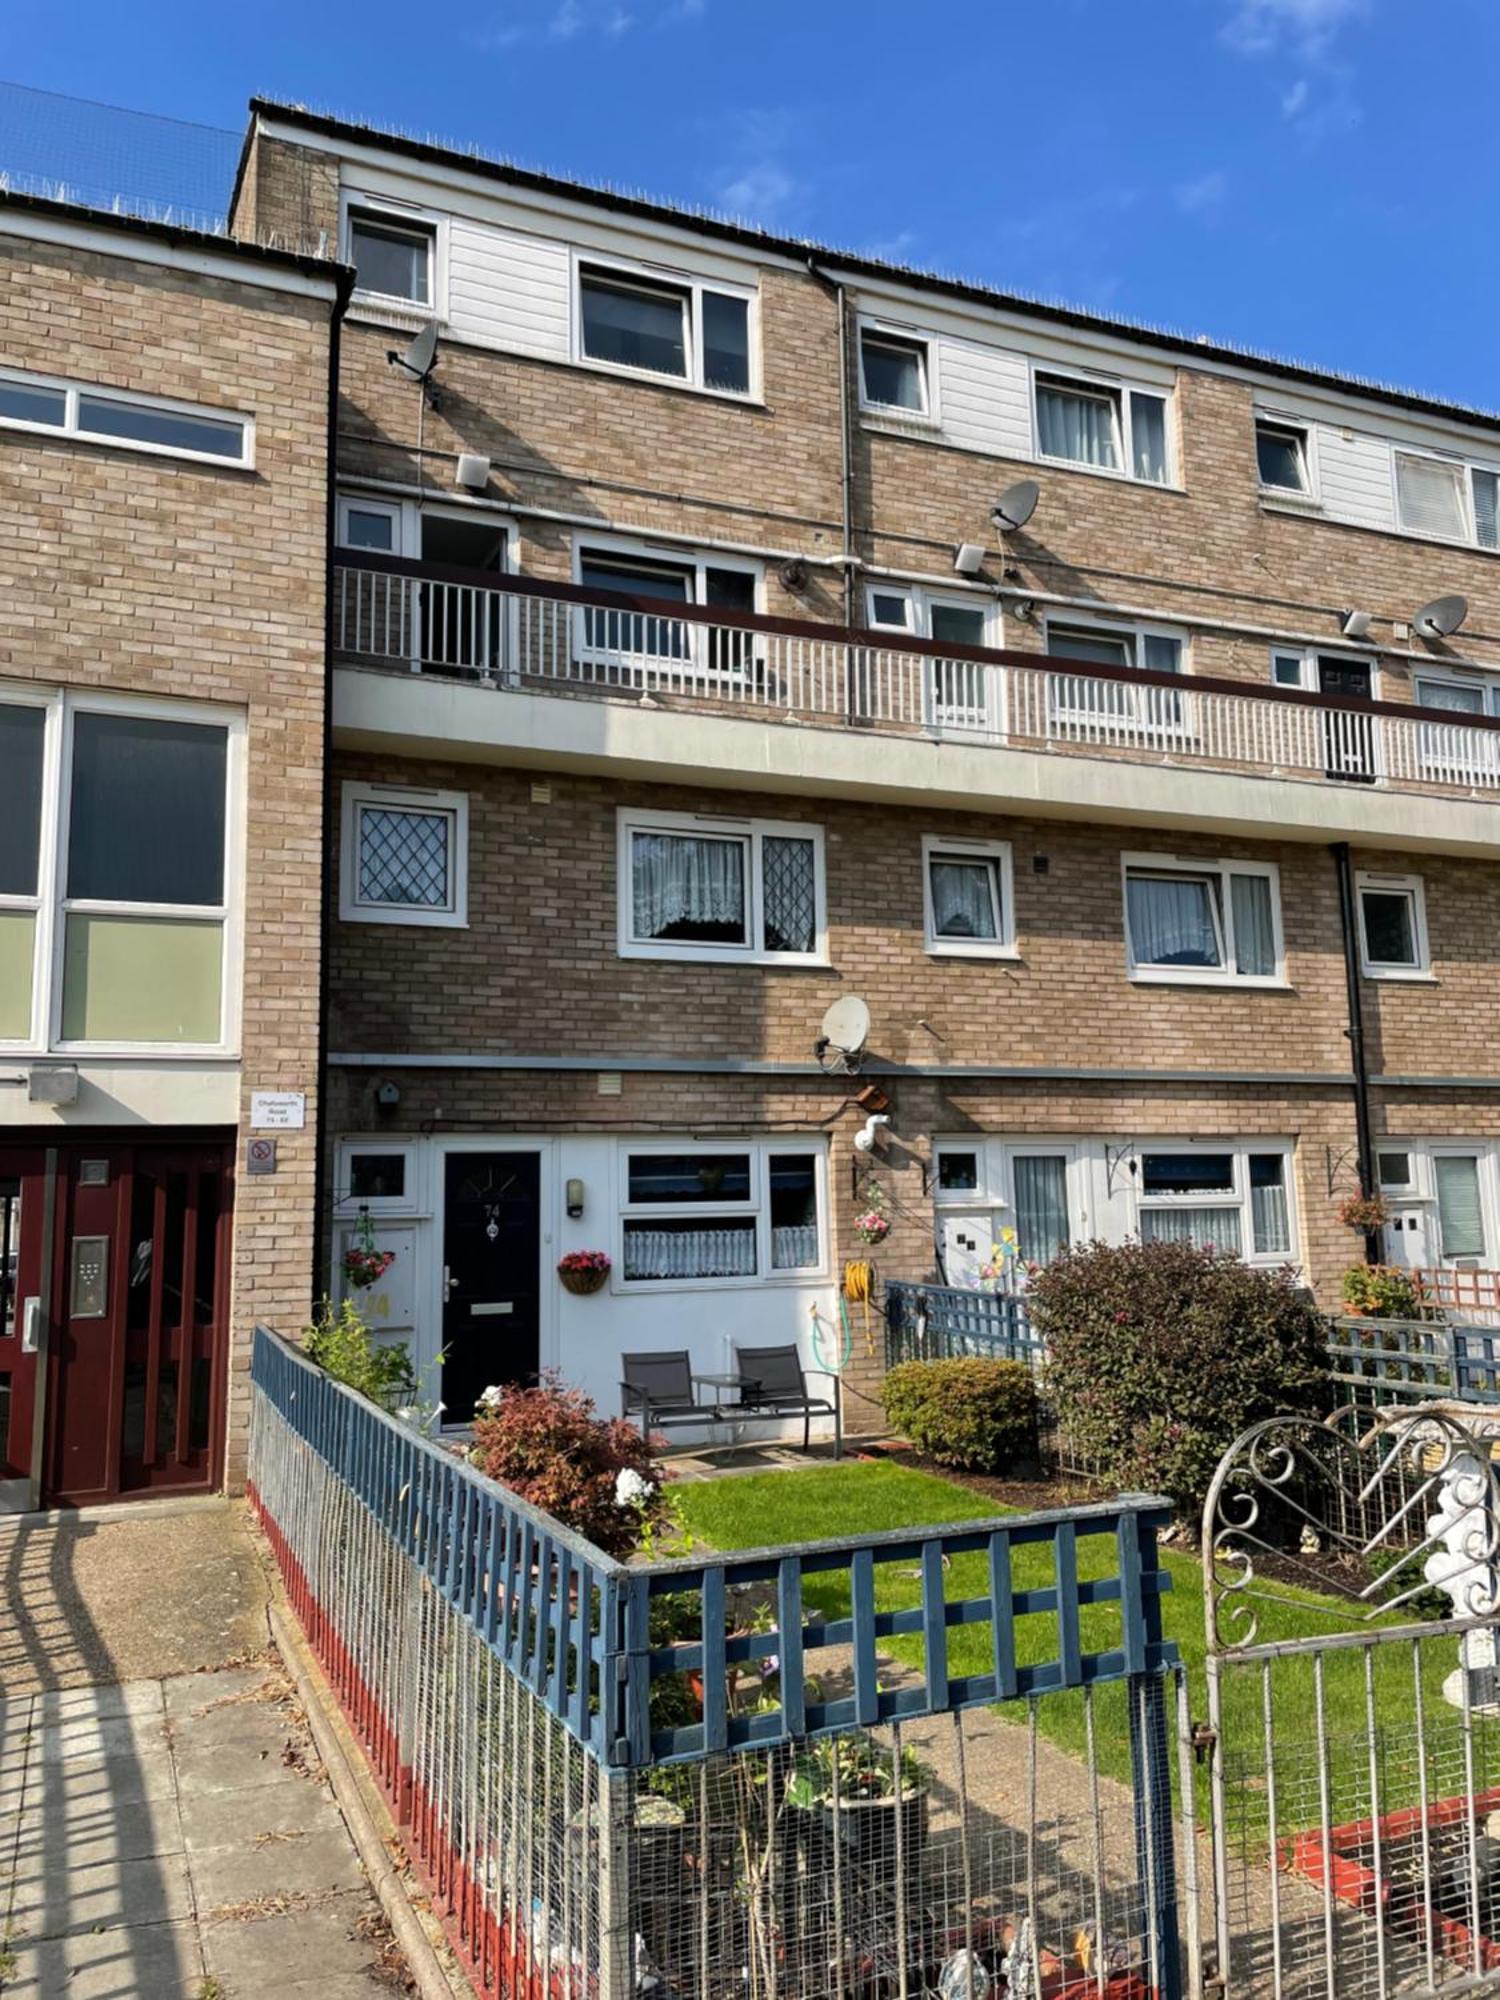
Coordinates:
(1160, 1354)
(975, 1414)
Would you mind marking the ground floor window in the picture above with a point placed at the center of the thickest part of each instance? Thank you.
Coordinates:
(1442, 1198)
(707, 1214)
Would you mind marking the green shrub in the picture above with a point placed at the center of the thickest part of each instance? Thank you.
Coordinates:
(976, 1414)
(1382, 1291)
(343, 1347)
(1160, 1354)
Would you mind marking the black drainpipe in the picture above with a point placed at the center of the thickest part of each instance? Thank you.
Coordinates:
(1369, 1180)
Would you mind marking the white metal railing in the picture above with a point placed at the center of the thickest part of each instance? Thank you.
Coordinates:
(514, 639)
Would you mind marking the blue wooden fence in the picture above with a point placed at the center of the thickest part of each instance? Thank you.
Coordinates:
(944, 1322)
(574, 1625)
(1407, 1360)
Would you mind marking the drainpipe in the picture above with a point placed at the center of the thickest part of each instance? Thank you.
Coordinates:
(846, 453)
(1368, 1177)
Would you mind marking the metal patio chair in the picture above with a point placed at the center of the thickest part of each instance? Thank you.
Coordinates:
(773, 1383)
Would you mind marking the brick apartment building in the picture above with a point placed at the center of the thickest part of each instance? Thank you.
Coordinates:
(163, 503)
(1187, 933)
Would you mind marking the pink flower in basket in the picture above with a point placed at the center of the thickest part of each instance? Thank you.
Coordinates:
(872, 1226)
(364, 1266)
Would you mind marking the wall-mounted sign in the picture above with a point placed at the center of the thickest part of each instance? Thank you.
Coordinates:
(260, 1156)
(278, 1110)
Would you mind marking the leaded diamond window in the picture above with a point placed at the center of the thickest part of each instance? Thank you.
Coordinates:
(791, 893)
(404, 859)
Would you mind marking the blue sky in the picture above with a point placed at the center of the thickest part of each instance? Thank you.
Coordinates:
(1312, 177)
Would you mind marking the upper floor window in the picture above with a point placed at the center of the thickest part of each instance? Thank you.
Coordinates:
(1202, 921)
(1095, 704)
(894, 372)
(1102, 425)
(1447, 499)
(968, 898)
(957, 693)
(695, 333)
(403, 856)
(117, 824)
(393, 257)
(648, 642)
(1392, 926)
(1282, 457)
(113, 416)
(699, 887)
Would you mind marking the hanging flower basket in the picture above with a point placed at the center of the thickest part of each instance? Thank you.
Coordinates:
(364, 1268)
(1364, 1212)
(584, 1271)
(872, 1226)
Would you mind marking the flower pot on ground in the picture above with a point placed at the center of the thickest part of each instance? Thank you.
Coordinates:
(584, 1271)
(843, 1795)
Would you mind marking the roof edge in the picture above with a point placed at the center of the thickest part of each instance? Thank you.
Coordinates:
(806, 251)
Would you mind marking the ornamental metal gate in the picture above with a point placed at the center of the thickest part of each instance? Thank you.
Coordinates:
(1350, 1761)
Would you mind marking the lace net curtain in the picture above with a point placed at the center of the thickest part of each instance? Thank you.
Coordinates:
(964, 898)
(677, 879)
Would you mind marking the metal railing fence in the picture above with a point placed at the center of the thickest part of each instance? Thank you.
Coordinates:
(606, 1768)
(519, 632)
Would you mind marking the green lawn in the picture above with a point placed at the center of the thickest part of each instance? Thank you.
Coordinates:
(858, 1498)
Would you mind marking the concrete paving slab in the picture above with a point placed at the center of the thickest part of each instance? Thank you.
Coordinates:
(305, 1861)
(219, 1819)
(85, 1784)
(195, 1694)
(104, 1830)
(77, 1738)
(48, 1901)
(156, 1962)
(260, 1955)
(232, 1767)
(53, 1705)
(258, 1725)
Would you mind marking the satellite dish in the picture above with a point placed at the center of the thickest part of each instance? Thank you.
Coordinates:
(846, 1027)
(1441, 618)
(1016, 504)
(420, 358)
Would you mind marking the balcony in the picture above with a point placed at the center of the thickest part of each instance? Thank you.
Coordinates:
(1053, 735)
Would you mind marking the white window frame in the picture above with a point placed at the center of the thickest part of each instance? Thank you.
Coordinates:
(416, 220)
(1448, 462)
(1411, 1188)
(407, 516)
(691, 286)
(1307, 658)
(1482, 1152)
(757, 1206)
(918, 602)
(1223, 872)
(52, 905)
(1237, 1196)
(1003, 945)
(1119, 389)
(348, 1206)
(1308, 495)
(360, 793)
(697, 662)
(1412, 887)
(709, 825)
(896, 334)
(1135, 713)
(70, 427)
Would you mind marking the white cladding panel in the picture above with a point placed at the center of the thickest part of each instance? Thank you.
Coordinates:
(985, 394)
(508, 290)
(1354, 475)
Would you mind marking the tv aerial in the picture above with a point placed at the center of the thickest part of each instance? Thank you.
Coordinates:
(841, 1041)
(1441, 618)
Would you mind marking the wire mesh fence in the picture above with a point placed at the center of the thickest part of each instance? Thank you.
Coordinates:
(945, 1820)
(101, 156)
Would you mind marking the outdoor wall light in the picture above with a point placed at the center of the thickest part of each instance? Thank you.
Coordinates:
(574, 1199)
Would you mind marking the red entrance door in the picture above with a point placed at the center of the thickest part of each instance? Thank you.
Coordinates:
(117, 1360)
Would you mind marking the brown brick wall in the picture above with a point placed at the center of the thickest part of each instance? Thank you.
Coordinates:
(144, 574)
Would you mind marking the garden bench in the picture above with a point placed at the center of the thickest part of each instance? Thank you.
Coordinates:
(767, 1382)
(662, 1387)
(773, 1383)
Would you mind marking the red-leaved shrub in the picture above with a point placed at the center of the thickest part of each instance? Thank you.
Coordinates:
(550, 1445)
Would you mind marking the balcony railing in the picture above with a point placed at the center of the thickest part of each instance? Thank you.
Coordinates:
(519, 633)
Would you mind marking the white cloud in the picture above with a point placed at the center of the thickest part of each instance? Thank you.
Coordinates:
(1308, 27)
(758, 190)
(1203, 196)
(1295, 100)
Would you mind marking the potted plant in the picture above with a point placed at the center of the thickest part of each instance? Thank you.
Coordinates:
(364, 1264)
(873, 1223)
(584, 1271)
(1381, 1291)
(1364, 1212)
(845, 1790)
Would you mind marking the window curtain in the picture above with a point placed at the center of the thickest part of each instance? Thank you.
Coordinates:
(706, 1250)
(682, 879)
(1269, 1222)
(1254, 926)
(1171, 923)
(1460, 1215)
(1430, 492)
(1041, 1207)
(964, 898)
(1219, 1226)
(794, 1246)
(1487, 509)
(1082, 428)
(1148, 437)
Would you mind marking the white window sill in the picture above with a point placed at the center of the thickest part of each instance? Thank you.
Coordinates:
(1116, 473)
(1395, 975)
(706, 955)
(447, 920)
(745, 399)
(380, 307)
(1215, 981)
(878, 416)
(81, 1053)
(625, 1288)
(1282, 500)
(1005, 953)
